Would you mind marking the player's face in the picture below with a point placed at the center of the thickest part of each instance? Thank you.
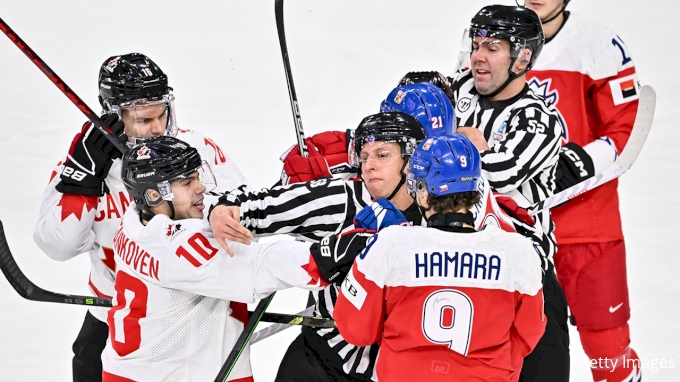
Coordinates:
(145, 121)
(489, 62)
(381, 164)
(188, 197)
(545, 9)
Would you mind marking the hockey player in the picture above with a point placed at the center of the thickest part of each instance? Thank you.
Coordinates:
(85, 199)
(382, 144)
(446, 302)
(587, 73)
(170, 319)
(518, 136)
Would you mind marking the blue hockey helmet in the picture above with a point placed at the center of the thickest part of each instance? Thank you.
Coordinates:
(427, 103)
(445, 164)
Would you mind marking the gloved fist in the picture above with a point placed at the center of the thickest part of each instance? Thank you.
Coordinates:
(327, 156)
(510, 206)
(90, 158)
(378, 215)
(573, 167)
(334, 255)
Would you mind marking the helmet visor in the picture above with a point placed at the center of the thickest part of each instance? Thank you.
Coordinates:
(205, 176)
(148, 117)
(371, 149)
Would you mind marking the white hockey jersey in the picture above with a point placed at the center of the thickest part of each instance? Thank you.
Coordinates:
(69, 225)
(170, 319)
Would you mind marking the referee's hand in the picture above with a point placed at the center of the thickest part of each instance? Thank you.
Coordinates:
(225, 223)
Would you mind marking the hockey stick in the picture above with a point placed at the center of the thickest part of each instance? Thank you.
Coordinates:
(80, 104)
(638, 136)
(302, 144)
(276, 328)
(28, 290)
(243, 338)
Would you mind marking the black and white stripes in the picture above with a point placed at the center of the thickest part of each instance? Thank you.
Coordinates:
(523, 134)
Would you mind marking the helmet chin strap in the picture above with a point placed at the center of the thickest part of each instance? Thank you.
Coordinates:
(146, 213)
(511, 77)
(402, 181)
(564, 6)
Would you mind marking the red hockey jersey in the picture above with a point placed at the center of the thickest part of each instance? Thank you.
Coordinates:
(587, 72)
(444, 305)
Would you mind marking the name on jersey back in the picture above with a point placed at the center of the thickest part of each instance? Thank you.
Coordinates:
(458, 265)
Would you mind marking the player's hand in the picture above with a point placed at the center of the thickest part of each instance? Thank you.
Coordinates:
(90, 157)
(510, 206)
(225, 222)
(573, 167)
(378, 215)
(476, 137)
(327, 155)
(334, 255)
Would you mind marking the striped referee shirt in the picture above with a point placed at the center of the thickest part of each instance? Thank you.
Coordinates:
(312, 211)
(523, 134)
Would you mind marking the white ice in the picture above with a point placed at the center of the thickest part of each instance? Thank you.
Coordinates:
(223, 60)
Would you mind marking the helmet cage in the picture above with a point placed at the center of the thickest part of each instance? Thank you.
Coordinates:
(171, 127)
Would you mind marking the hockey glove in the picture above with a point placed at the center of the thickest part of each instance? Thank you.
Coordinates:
(334, 255)
(435, 78)
(573, 167)
(327, 156)
(510, 206)
(378, 215)
(90, 158)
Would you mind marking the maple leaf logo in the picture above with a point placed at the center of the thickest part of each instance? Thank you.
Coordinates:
(73, 205)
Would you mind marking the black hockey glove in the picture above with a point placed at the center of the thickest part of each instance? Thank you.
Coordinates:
(573, 167)
(334, 255)
(435, 78)
(90, 158)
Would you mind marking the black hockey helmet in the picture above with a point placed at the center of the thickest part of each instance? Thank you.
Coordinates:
(394, 127)
(153, 164)
(520, 26)
(130, 77)
(433, 77)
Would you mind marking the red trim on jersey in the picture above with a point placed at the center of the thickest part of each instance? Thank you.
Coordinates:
(96, 291)
(74, 204)
(246, 379)
(108, 377)
(54, 172)
(239, 311)
(313, 271)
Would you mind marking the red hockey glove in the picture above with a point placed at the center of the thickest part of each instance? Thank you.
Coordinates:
(327, 156)
(510, 207)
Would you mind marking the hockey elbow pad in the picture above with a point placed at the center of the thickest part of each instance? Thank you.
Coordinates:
(573, 167)
(334, 255)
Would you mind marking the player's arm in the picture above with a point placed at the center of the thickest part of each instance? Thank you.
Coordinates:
(69, 204)
(312, 210)
(529, 323)
(615, 102)
(360, 309)
(531, 145)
